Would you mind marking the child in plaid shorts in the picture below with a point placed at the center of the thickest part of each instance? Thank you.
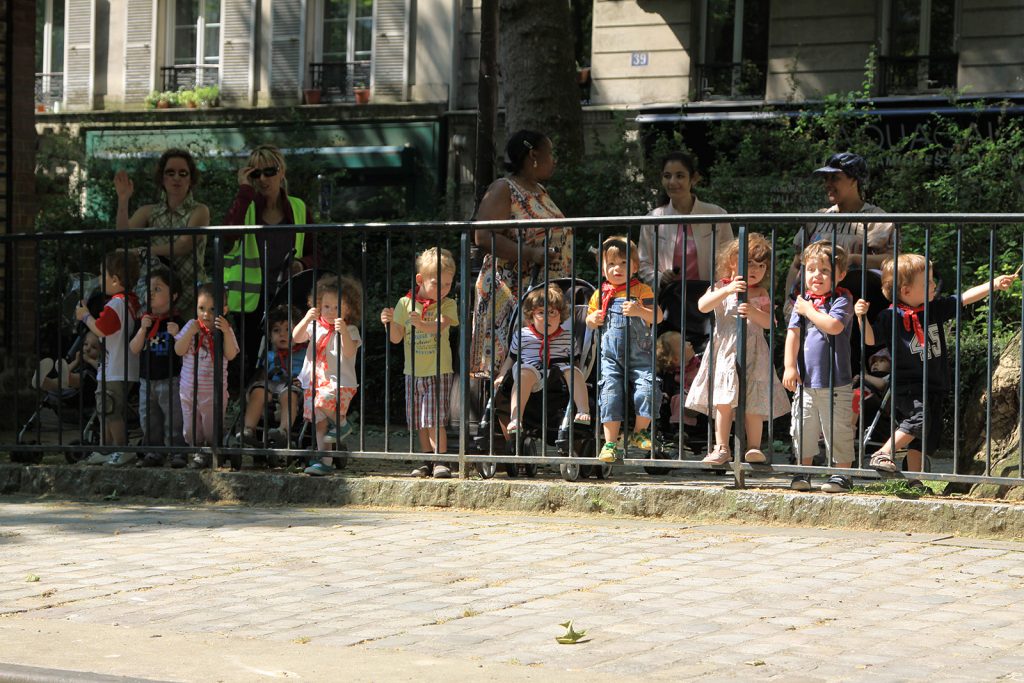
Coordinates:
(422, 319)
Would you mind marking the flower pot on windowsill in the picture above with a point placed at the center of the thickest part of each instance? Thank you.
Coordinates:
(583, 75)
(163, 104)
(313, 95)
(362, 95)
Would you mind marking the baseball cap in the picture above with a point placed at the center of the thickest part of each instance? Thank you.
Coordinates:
(849, 163)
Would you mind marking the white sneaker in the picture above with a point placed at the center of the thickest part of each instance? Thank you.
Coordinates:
(120, 459)
(97, 459)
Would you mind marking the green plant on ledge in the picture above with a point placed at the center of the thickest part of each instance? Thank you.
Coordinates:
(202, 96)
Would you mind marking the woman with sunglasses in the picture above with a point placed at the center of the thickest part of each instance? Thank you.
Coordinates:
(263, 200)
(176, 175)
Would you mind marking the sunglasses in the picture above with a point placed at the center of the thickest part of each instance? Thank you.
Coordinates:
(181, 173)
(268, 172)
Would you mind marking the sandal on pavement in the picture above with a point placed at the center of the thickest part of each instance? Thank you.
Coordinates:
(883, 462)
(719, 456)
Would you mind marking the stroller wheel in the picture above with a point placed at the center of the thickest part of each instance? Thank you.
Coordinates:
(486, 470)
(602, 472)
(340, 461)
(570, 472)
(511, 469)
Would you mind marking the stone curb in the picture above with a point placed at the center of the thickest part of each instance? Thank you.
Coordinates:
(704, 505)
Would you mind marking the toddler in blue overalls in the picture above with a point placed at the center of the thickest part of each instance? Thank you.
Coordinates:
(624, 303)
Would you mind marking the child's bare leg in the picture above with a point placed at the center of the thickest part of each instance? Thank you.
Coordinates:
(902, 440)
(440, 440)
(723, 425)
(117, 432)
(322, 423)
(288, 408)
(254, 407)
(521, 393)
(580, 395)
(754, 424)
(915, 461)
(640, 423)
(611, 431)
(425, 442)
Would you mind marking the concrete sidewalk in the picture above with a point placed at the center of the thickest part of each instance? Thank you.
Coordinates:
(232, 593)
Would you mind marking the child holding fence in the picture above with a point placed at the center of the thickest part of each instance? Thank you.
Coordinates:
(825, 315)
(119, 368)
(623, 302)
(333, 343)
(912, 348)
(720, 391)
(425, 312)
(195, 341)
(160, 368)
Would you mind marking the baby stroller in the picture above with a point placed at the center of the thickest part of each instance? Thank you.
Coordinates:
(300, 437)
(532, 439)
(73, 407)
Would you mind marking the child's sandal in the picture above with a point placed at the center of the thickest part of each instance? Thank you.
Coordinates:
(719, 456)
(883, 462)
(582, 419)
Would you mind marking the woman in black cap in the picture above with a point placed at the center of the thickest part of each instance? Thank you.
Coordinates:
(844, 176)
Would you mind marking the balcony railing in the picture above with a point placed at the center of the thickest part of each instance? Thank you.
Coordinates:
(336, 80)
(188, 76)
(725, 80)
(918, 74)
(49, 90)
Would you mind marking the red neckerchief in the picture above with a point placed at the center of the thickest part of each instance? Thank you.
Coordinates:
(321, 343)
(610, 291)
(205, 336)
(545, 350)
(282, 355)
(157, 319)
(417, 299)
(131, 301)
(911, 321)
(819, 301)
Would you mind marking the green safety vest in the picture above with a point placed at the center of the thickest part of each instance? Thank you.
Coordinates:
(243, 277)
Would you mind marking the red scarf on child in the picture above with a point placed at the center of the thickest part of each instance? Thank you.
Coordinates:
(205, 336)
(610, 291)
(131, 301)
(911, 321)
(321, 342)
(417, 299)
(818, 300)
(545, 350)
(282, 356)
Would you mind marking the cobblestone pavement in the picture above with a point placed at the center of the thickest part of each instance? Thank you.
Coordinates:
(657, 599)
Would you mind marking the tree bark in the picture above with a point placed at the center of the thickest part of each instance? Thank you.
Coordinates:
(538, 73)
(487, 98)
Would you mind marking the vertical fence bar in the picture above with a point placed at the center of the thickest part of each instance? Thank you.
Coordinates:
(59, 356)
(988, 349)
(338, 353)
(655, 407)
(831, 441)
(438, 394)
(741, 361)
(624, 427)
(710, 350)
(598, 424)
(414, 419)
(37, 337)
(464, 342)
(956, 350)
(218, 347)
(682, 332)
(387, 344)
(363, 305)
(493, 332)
(861, 443)
(1020, 389)
(927, 344)
(516, 327)
(572, 349)
(546, 352)
(892, 336)
(771, 346)
(241, 380)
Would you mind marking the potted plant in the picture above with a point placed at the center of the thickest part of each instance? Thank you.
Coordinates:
(361, 92)
(166, 100)
(313, 95)
(188, 98)
(207, 95)
(152, 99)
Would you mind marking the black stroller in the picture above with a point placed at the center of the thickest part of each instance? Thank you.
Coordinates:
(533, 440)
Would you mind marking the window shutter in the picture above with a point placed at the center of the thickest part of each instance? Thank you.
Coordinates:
(238, 22)
(140, 39)
(287, 48)
(79, 32)
(389, 49)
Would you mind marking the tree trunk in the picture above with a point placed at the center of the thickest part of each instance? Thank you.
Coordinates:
(487, 98)
(538, 73)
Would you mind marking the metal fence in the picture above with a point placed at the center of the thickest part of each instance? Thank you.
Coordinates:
(381, 257)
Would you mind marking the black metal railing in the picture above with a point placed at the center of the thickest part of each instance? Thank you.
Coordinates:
(337, 81)
(188, 76)
(906, 75)
(732, 80)
(383, 258)
(49, 90)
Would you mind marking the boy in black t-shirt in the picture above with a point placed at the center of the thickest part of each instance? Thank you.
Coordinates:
(911, 349)
(159, 368)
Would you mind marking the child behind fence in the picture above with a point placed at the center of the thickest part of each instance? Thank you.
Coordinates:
(427, 313)
(119, 368)
(333, 343)
(159, 368)
(195, 343)
(723, 387)
(823, 382)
